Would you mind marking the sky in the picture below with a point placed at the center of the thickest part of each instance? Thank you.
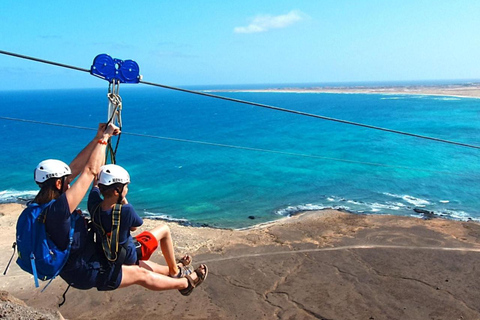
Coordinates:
(212, 42)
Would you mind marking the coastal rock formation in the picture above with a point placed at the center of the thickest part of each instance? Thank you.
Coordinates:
(13, 308)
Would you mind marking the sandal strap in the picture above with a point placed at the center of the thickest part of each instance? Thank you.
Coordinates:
(184, 271)
(199, 279)
(191, 282)
(186, 260)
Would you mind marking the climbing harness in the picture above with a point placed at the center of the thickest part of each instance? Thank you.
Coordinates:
(110, 241)
(114, 252)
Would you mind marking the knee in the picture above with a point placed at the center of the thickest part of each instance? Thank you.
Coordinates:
(134, 275)
(142, 275)
(161, 232)
(166, 230)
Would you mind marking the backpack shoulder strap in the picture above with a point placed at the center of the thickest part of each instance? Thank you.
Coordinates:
(43, 210)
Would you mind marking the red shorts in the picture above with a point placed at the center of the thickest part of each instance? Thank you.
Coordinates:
(148, 244)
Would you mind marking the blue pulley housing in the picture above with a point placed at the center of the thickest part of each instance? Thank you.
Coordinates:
(110, 69)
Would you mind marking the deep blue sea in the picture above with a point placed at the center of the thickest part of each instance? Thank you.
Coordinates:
(287, 163)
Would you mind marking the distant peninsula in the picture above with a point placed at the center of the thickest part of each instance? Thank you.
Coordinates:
(470, 90)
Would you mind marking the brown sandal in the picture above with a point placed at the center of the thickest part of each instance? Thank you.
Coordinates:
(195, 283)
(186, 260)
(185, 268)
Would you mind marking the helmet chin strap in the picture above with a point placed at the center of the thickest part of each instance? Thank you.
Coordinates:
(62, 187)
(120, 196)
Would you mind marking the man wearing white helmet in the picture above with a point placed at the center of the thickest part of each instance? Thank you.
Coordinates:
(112, 184)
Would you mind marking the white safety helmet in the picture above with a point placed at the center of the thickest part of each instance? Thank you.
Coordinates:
(112, 173)
(51, 169)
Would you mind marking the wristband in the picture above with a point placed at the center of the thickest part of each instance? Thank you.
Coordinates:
(101, 141)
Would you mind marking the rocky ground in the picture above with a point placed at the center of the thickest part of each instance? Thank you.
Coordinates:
(319, 265)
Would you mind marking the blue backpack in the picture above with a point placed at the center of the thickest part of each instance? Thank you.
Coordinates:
(37, 254)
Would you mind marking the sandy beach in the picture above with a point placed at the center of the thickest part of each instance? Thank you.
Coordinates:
(317, 265)
(461, 90)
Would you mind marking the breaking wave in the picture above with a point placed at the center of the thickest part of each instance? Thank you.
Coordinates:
(392, 204)
(14, 196)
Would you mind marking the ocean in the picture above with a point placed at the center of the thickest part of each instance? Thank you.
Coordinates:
(205, 161)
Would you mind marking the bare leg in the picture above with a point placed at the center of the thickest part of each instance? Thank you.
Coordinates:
(163, 235)
(154, 267)
(150, 280)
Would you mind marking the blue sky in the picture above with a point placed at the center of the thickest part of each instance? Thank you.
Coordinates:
(185, 43)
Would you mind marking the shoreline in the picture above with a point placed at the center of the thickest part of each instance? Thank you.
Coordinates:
(415, 212)
(423, 216)
(459, 91)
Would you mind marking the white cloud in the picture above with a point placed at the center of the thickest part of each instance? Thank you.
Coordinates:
(267, 22)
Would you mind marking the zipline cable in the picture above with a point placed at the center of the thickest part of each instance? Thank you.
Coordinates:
(235, 147)
(44, 61)
(311, 115)
(259, 104)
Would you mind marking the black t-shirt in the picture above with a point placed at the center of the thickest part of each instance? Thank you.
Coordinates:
(129, 218)
(58, 222)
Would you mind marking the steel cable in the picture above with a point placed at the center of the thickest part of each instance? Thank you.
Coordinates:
(259, 104)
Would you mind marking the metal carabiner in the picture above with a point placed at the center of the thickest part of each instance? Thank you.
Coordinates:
(114, 103)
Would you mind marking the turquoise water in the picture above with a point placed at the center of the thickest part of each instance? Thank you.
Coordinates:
(356, 169)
